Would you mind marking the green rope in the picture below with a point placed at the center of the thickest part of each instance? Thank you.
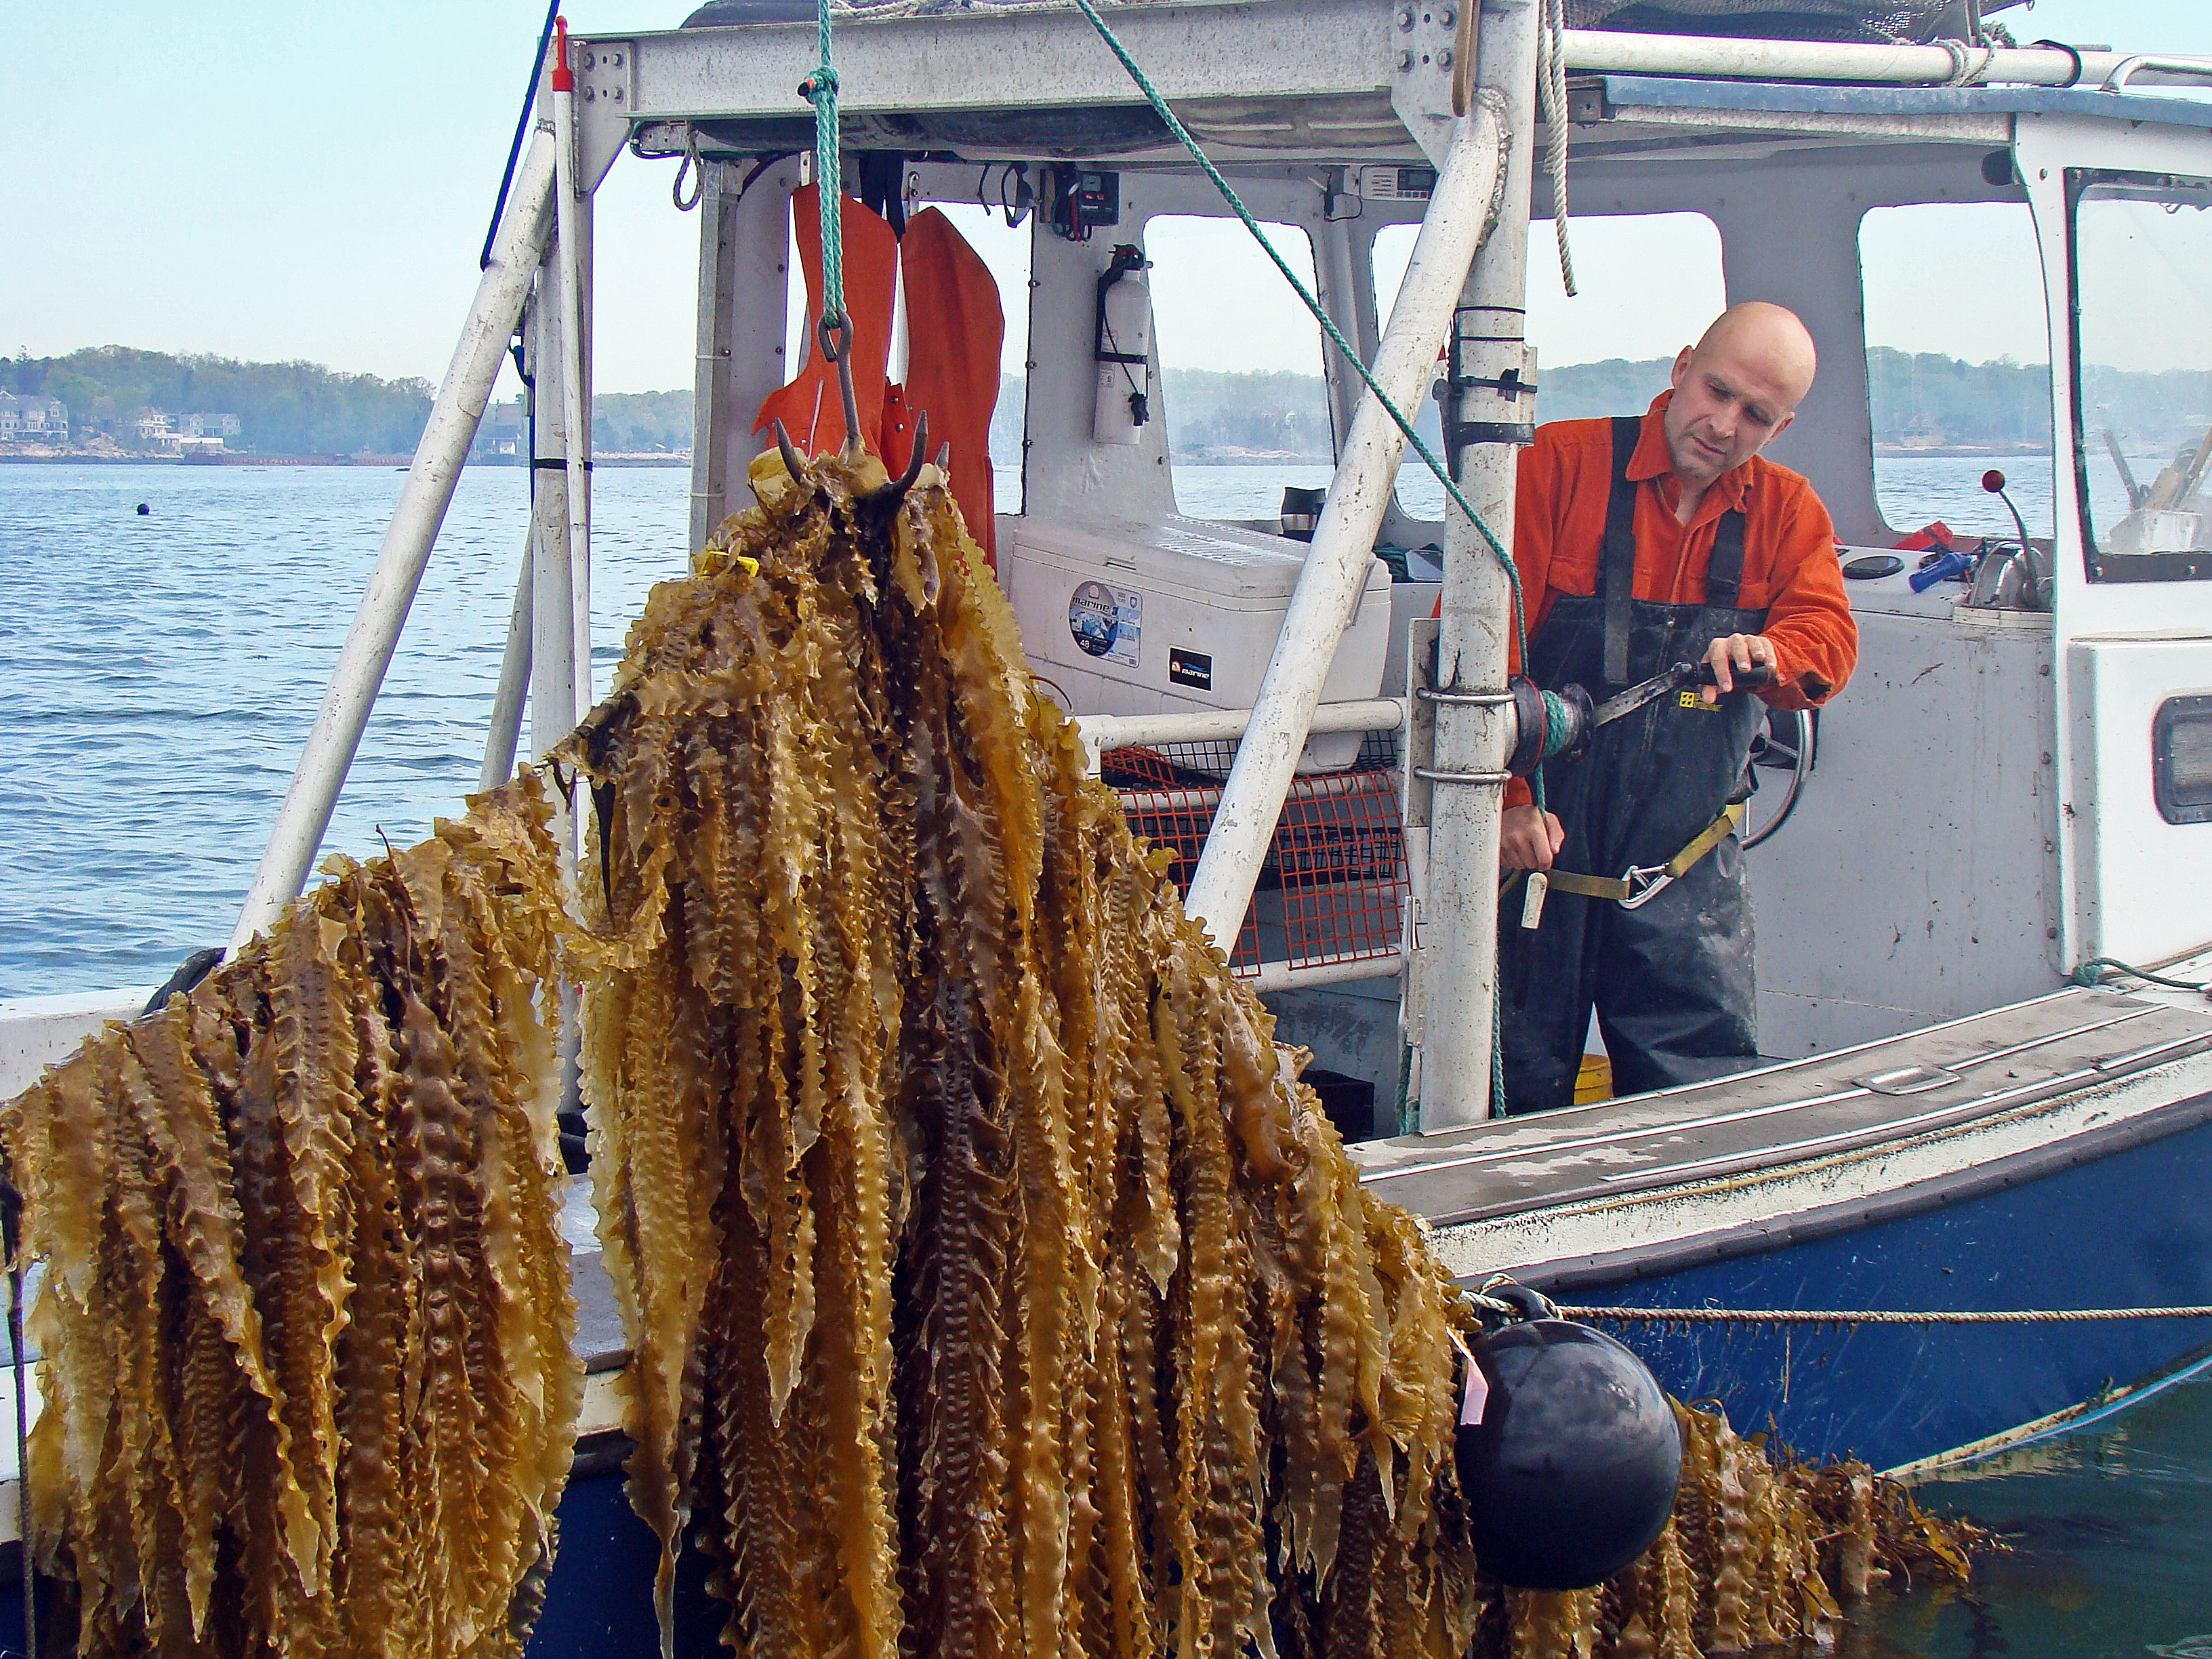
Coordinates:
(820, 89)
(2091, 975)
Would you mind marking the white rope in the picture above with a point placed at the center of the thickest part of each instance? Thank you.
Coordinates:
(1551, 87)
(1485, 1302)
(1879, 1317)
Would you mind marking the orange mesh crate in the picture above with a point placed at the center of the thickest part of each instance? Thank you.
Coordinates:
(1333, 886)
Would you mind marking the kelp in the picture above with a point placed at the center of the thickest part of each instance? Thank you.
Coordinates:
(1762, 1551)
(305, 1315)
(994, 1287)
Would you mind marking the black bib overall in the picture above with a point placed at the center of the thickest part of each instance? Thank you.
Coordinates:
(1672, 981)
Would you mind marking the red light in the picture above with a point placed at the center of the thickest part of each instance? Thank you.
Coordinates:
(1993, 480)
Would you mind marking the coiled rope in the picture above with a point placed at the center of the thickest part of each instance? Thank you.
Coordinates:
(2093, 973)
(1558, 724)
(1552, 87)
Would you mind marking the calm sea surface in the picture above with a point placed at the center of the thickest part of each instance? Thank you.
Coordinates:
(161, 673)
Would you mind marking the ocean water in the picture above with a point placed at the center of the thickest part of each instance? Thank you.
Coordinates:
(161, 673)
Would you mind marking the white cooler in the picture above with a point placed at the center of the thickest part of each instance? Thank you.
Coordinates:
(1150, 617)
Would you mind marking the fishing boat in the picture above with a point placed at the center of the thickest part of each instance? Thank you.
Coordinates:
(1981, 874)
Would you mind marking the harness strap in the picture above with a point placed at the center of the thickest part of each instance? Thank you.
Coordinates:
(1621, 889)
(1616, 558)
(1617, 553)
(1724, 571)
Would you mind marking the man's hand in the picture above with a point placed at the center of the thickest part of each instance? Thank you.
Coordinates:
(1530, 840)
(1734, 651)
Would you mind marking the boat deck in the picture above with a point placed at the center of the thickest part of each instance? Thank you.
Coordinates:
(1926, 1081)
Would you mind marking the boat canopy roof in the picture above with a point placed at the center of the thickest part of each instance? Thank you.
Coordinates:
(1275, 81)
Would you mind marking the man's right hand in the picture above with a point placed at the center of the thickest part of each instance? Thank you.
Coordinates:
(1530, 840)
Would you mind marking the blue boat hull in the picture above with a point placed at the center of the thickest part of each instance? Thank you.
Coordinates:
(2129, 1229)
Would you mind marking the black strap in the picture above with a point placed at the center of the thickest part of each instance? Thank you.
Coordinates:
(1724, 570)
(1617, 554)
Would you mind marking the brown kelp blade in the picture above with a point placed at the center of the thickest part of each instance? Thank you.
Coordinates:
(306, 1320)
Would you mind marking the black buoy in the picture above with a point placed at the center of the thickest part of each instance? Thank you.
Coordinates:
(144, 511)
(1570, 1475)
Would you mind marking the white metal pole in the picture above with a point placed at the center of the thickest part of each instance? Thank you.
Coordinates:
(1343, 550)
(553, 632)
(438, 458)
(506, 727)
(1456, 968)
(570, 211)
(1820, 60)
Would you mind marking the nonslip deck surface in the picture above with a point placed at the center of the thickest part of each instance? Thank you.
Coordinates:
(1925, 1080)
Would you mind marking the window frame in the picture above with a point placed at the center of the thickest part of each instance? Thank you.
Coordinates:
(2097, 566)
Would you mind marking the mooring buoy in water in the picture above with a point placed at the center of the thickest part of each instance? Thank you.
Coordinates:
(144, 511)
(1569, 1454)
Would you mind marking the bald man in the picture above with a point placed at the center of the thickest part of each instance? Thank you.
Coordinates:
(1643, 542)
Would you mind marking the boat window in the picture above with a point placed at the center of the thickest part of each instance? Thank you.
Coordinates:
(1609, 348)
(1958, 371)
(1246, 408)
(2142, 401)
(1005, 249)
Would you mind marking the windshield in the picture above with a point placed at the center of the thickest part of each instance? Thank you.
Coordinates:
(2143, 291)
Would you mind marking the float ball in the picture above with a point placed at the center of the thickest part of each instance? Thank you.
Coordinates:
(1571, 1473)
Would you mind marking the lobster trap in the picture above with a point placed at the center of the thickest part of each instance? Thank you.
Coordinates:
(1334, 887)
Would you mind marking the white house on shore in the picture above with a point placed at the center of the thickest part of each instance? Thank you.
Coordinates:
(182, 434)
(32, 420)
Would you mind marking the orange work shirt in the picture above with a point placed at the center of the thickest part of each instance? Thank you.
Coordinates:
(1789, 566)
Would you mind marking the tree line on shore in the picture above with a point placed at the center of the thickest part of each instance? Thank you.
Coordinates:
(1915, 400)
(301, 407)
(295, 408)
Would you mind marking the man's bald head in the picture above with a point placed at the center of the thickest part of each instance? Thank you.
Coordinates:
(1736, 390)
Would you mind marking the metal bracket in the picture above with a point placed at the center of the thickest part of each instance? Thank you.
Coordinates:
(606, 95)
(1508, 385)
(1465, 699)
(1587, 104)
(1422, 45)
(1505, 353)
(1431, 775)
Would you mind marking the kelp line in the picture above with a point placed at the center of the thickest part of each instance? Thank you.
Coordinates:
(993, 1286)
(306, 1316)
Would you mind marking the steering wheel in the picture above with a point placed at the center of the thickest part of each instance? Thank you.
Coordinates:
(1788, 744)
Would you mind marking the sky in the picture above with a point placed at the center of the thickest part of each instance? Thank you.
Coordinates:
(275, 181)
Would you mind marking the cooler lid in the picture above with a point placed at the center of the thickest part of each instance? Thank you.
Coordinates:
(1218, 559)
